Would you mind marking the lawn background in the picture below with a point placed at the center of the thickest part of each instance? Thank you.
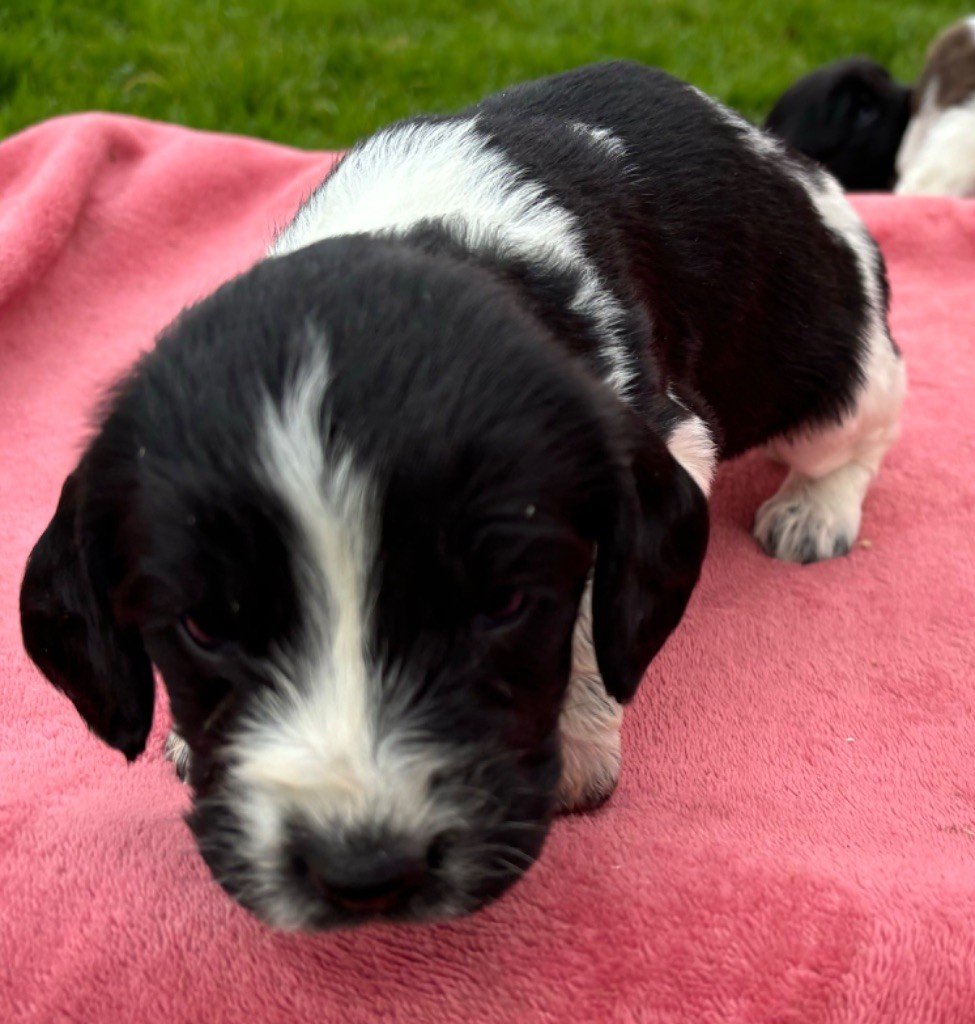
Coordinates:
(320, 73)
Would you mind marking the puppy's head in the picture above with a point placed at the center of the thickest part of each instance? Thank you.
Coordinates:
(348, 508)
(850, 116)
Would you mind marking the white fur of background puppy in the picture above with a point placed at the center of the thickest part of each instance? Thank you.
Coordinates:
(937, 154)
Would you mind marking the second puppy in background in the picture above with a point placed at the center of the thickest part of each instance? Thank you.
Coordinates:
(850, 116)
(876, 135)
(937, 156)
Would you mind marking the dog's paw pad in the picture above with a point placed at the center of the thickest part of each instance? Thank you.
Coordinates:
(177, 750)
(804, 528)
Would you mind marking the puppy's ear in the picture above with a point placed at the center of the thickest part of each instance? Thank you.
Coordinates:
(70, 631)
(648, 560)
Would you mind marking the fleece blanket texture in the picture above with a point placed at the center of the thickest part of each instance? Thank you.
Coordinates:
(793, 839)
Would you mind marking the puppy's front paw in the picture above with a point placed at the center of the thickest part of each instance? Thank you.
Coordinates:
(808, 521)
(177, 750)
(591, 754)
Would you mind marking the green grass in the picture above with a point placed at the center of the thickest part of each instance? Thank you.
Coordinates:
(320, 73)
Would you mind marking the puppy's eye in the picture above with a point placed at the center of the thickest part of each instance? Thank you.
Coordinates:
(507, 608)
(202, 637)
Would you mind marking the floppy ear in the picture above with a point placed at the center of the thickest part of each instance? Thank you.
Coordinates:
(648, 560)
(70, 630)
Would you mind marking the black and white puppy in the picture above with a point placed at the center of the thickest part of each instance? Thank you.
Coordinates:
(850, 116)
(937, 155)
(402, 513)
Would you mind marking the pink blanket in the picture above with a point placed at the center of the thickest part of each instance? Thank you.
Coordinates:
(794, 836)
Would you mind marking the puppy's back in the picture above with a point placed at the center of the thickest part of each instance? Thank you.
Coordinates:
(732, 242)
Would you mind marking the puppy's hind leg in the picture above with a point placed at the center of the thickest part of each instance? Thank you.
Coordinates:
(816, 513)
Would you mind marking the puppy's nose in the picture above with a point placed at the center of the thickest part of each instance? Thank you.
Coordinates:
(369, 881)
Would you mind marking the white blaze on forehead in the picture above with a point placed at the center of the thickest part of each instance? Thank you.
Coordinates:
(311, 746)
(326, 719)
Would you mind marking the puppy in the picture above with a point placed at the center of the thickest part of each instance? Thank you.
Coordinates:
(402, 513)
(937, 155)
(850, 116)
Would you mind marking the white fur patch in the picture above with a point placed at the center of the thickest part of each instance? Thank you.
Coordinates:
(589, 726)
(692, 445)
(917, 129)
(937, 156)
(445, 171)
(177, 751)
(313, 748)
(611, 144)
